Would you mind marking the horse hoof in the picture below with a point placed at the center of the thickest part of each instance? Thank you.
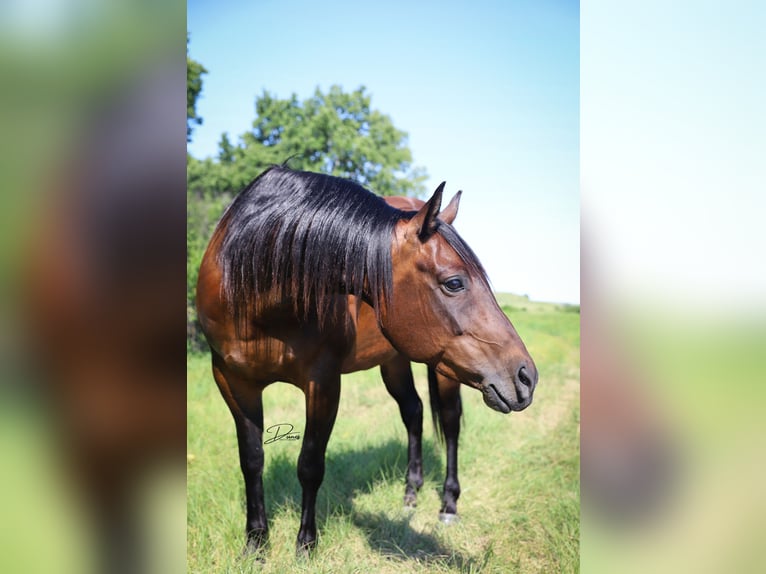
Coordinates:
(256, 543)
(304, 551)
(253, 554)
(254, 557)
(447, 519)
(411, 496)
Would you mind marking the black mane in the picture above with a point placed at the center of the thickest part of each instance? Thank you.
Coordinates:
(311, 236)
(308, 235)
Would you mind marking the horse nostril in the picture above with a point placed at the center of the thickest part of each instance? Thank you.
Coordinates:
(524, 377)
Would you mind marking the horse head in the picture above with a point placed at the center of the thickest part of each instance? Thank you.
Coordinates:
(442, 311)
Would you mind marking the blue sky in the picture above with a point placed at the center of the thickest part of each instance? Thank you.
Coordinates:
(487, 91)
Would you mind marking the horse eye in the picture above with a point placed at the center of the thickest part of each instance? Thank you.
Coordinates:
(453, 284)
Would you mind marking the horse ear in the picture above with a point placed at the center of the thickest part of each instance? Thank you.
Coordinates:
(449, 212)
(425, 221)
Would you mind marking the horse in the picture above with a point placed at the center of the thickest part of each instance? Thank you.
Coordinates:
(273, 299)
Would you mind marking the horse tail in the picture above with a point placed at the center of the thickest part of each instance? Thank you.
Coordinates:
(436, 404)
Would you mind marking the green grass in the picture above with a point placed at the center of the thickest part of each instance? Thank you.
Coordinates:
(519, 474)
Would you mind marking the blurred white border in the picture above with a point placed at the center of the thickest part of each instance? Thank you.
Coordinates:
(673, 150)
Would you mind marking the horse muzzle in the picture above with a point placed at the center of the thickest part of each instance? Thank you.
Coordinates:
(504, 396)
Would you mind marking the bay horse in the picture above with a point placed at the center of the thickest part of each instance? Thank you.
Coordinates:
(273, 302)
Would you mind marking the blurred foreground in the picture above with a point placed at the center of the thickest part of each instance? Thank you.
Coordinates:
(92, 400)
(672, 448)
(674, 287)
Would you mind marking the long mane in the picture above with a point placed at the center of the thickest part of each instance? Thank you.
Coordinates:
(306, 237)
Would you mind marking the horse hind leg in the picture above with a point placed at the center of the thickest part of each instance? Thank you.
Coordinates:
(397, 376)
(244, 399)
(322, 393)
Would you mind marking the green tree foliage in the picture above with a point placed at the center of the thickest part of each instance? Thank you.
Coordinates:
(336, 133)
(194, 71)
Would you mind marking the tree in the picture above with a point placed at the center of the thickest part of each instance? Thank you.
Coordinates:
(194, 71)
(336, 133)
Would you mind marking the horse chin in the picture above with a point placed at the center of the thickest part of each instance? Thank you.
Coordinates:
(495, 400)
(499, 398)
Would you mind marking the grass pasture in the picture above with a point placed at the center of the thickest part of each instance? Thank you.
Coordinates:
(519, 474)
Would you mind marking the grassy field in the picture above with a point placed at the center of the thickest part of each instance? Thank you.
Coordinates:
(519, 474)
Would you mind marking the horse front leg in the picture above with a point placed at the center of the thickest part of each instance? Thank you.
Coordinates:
(244, 400)
(397, 375)
(449, 417)
(322, 392)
